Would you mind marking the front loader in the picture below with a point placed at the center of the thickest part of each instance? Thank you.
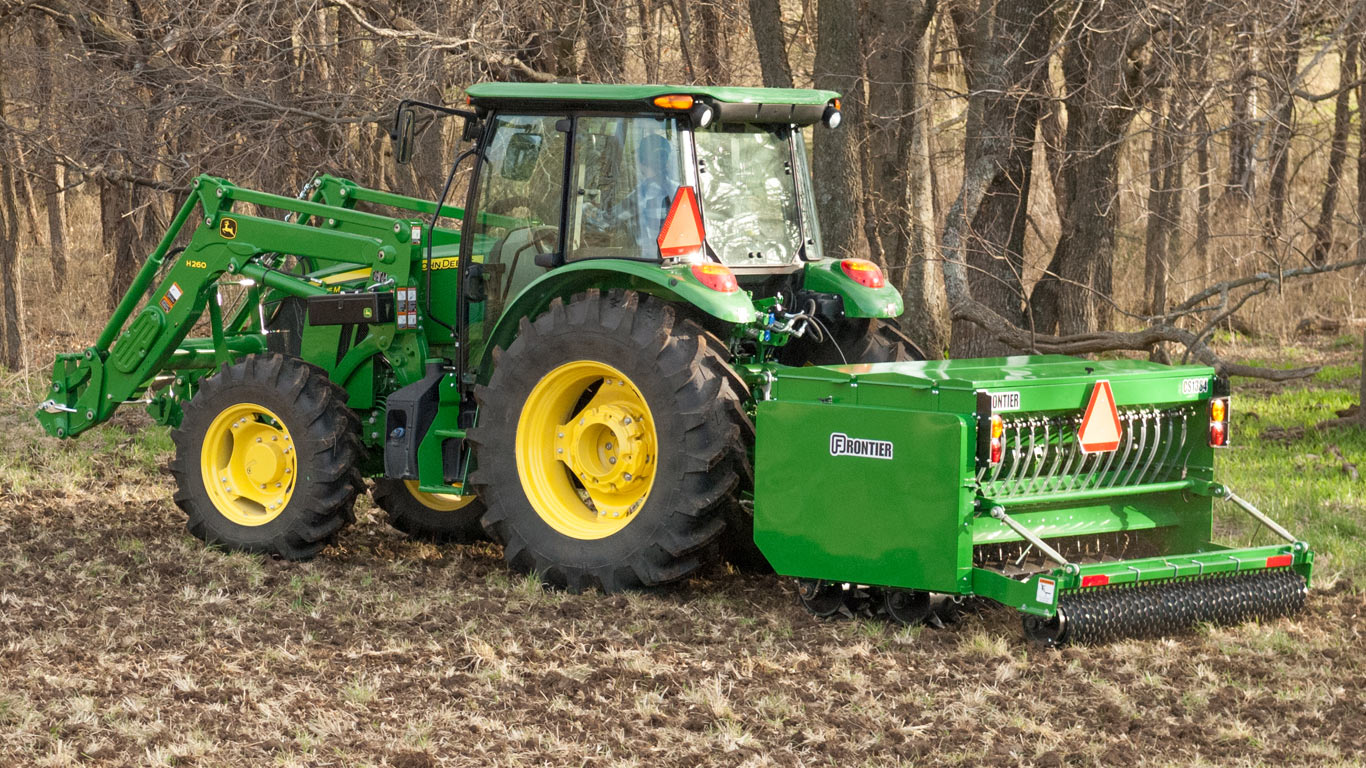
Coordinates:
(627, 356)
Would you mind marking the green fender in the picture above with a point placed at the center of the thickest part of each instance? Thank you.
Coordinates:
(672, 283)
(859, 301)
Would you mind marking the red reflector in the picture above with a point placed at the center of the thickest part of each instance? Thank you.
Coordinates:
(1218, 434)
(682, 233)
(997, 448)
(717, 277)
(1095, 580)
(1279, 561)
(863, 272)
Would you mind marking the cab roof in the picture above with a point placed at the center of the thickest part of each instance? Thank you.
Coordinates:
(779, 105)
(493, 92)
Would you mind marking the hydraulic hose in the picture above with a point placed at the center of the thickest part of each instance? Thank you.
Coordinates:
(427, 264)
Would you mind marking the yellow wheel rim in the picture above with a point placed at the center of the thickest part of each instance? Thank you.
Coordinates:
(441, 502)
(586, 467)
(249, 463)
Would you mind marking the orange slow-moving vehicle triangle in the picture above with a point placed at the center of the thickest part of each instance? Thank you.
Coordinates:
(1100, 428)
(682, 232)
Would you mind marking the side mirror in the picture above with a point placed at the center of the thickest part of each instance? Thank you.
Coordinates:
(405, 123)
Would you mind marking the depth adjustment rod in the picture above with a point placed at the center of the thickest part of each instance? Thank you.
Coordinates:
(999, 512)
(1261, 517)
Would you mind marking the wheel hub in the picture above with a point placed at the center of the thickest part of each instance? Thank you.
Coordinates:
(606, 448)
(249, 464)
(586, 467)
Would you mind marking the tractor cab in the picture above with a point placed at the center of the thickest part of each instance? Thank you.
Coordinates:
(577, 172)
(714, 180)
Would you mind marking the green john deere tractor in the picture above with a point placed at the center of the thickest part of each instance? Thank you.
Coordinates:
(630, 359)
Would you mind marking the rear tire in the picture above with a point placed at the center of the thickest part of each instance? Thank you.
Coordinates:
(439, 518)
(609, 443)
(265, 458)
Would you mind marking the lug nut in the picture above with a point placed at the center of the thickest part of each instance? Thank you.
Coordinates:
(612, 460)
(626, 477)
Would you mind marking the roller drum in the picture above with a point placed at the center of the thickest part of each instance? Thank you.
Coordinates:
(1106, 614)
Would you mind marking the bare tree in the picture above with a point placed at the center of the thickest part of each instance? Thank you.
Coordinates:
(838, 154)
(1005, 48)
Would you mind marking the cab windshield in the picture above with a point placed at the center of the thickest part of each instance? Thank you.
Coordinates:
(749, 190)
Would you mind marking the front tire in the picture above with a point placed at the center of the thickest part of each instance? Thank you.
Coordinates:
(440, 518)
(609, 443)
(265, 458)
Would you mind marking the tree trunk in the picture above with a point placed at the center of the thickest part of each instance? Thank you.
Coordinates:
(766, 18)
(1284, 65)
(1202, 205)
(838, 156)
(711, 42)
(1242, 160)
(1361, 165)
(119, 235)
(53, 179)
(1006, 63)
(1106, 83)
(1155, 240)
(605, 53)
(898, 208)
(11, 284)
(1323, 230)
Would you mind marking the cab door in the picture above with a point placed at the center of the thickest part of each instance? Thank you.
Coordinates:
(518, 209)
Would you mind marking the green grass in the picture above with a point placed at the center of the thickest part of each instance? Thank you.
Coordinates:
(1299, 483)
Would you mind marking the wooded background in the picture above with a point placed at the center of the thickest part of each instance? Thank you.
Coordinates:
(1047, 175)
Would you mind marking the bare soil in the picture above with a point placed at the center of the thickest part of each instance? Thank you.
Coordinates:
(123, 641)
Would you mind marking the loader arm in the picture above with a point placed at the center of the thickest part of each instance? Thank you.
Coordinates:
(131, 354)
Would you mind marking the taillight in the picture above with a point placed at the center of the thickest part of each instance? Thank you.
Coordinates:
(717, 277)
(1095, 580)
(863, 272)
(1219, 414)
(1279, 561)
(998, 441)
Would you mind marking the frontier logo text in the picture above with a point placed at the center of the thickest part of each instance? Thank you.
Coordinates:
(844, 445)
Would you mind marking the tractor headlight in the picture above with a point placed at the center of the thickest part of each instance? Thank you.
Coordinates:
(832, 117)
(702, 114)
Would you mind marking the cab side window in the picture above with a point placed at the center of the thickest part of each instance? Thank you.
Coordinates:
(625, 173)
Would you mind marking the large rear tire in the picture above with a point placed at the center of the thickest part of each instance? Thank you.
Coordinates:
(440, 518)
(265, 458)
(609, 443)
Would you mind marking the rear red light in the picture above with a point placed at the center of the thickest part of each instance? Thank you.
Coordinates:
(717, 277)
(1095, 580)
(863, 272)
(997, 439)
(1280, 561)
(1218, 434)
(1218, 421)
